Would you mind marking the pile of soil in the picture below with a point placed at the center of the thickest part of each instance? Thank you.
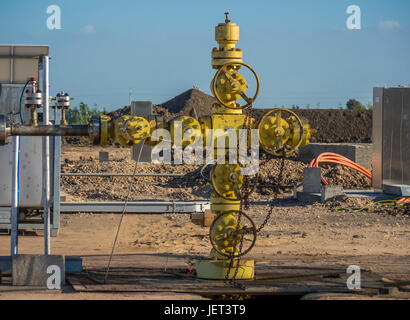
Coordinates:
(181, 105)
(184, 103)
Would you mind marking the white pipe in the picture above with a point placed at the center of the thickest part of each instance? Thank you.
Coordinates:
(46, 157)
(15, 195)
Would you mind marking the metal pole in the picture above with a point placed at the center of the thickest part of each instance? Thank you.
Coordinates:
(46, 157)
(86, 174)
(15, 196)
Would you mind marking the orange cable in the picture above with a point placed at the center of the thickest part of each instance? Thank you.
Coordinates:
(338, 159)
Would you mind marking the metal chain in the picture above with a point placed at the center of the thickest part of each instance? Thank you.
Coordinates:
(275, 195)
(244, 204)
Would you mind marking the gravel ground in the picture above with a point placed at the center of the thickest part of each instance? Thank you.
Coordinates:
(190, 187)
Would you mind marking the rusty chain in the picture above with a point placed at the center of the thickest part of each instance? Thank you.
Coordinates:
(244, 204)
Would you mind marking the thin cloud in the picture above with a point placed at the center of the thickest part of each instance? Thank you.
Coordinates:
(88, 30)
(389, 25)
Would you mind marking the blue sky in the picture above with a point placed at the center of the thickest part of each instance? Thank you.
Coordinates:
(302, 50)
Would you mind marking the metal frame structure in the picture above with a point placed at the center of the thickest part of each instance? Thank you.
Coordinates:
(17, 64)
(391, 140)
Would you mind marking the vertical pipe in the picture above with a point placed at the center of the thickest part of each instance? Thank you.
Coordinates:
(46, 157)
(15, 196)
(56, 177)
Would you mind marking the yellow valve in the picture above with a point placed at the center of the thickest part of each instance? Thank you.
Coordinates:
(155, 122)
(224, 235)
(276, 133)
(228, 85)
(105, 130)
(188, 127)
(130, 130)
(227, 180)
(226, 232)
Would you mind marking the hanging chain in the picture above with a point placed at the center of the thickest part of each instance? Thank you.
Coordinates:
(244, 205)
(275, 195)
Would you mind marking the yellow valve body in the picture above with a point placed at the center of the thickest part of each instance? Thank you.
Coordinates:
(226, 180)
(189, 130)
(106, 130)
(155, 122)
(220, 123)
(273, 135)
(227, 35)
(130, 130)
(218, 269)
(220, 205)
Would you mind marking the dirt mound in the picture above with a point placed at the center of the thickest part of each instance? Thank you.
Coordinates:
(182, 104)
(119, 112)
(185, 102)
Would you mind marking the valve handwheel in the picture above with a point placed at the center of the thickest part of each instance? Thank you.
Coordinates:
(226, 236)
(237, 84)
(274, 132)
(227, 181)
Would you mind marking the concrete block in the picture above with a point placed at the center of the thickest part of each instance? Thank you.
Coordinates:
(329, 192)
(5, 264)
(103, 156)
(142, 109)
(311, 179)
(31, 270)
(308, 197)
(401, 190)
(361, 153)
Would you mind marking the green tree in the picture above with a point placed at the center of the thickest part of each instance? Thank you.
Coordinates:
(354, 104)
(80, 114)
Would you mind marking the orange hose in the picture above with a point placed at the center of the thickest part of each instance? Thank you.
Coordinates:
(338, 159)
(403, 200)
